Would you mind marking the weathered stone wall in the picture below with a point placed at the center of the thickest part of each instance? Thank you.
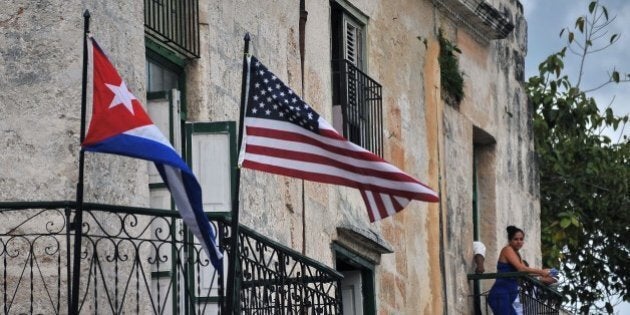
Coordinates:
(40, 106)
(426, 274)
(493, 123)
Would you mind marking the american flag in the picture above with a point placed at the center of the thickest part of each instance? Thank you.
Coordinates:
(285, 136)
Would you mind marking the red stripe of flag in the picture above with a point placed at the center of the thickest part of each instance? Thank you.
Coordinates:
(285, 136)
(333, 179)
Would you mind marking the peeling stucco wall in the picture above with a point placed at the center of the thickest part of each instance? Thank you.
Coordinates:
(40, 107)
(433, 141)
(496, 105)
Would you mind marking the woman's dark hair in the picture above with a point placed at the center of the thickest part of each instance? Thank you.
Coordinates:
(512, 230)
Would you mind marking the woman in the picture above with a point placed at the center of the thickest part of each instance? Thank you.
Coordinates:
(503, 297)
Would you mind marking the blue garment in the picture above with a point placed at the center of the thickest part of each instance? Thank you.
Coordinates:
(504, 292)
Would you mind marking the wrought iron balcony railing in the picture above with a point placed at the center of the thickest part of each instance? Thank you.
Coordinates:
(358, 98)
(142, 261)
(536, 297)
(174, 23)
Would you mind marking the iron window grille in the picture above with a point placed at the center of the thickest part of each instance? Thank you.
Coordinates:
(175, 24)
(360, 102)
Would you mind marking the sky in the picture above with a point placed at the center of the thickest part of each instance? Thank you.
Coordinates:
(546, 18)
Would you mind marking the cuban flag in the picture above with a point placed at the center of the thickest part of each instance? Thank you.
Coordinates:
(121, 126)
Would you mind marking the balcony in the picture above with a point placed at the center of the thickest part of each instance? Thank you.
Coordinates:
(536, 297)
(358, 106)
(174, 23)
(143, 261)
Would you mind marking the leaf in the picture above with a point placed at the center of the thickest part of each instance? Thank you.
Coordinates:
(609, 308)
(613, 37)
(571, 36)
(565, 222)
(615, 76)
(579, 23)
(591, 6)
(561, 32)
(575, 222)
(605, 12)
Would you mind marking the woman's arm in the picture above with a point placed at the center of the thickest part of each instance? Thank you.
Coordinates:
(515, 260)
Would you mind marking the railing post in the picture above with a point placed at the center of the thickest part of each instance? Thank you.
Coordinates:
(68, 212)
(477, 297)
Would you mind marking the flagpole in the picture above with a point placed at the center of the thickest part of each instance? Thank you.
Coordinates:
(232, 278)
(78, 218)
(303, 18)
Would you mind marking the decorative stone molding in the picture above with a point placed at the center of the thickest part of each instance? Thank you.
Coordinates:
(478, 16)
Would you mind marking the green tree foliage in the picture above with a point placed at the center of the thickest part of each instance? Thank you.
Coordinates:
(584, 175)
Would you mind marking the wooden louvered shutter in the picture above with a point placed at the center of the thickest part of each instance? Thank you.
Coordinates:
(353, 42)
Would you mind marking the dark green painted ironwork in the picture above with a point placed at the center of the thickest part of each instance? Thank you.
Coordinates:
(154, 47)
(217, 127)
(167, 59)
(475, 201)
(367, 275)
(228, 128)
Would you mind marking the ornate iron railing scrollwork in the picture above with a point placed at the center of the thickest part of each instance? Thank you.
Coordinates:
(142, 261)
(535, 297)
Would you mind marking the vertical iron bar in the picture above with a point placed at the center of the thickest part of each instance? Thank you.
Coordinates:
(96, 269)
(196, 30)
(343, 82)
(138, 266)
(170, 23)
(68, 259)
(380, 119)
(372, 122)
(116, 254)
(4, 282)
(179, 16)
(361, 106)
(365, 111)
(220, 288)
(78, 218)
(184, 16)
(373, 118)
(231, 300)
(155, 13)
(59, 280)
(188, 22)
(31, 255)
(376, 128)
(166, 17)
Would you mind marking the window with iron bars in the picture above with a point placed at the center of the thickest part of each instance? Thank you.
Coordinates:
(357, 98)
(174, 24)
